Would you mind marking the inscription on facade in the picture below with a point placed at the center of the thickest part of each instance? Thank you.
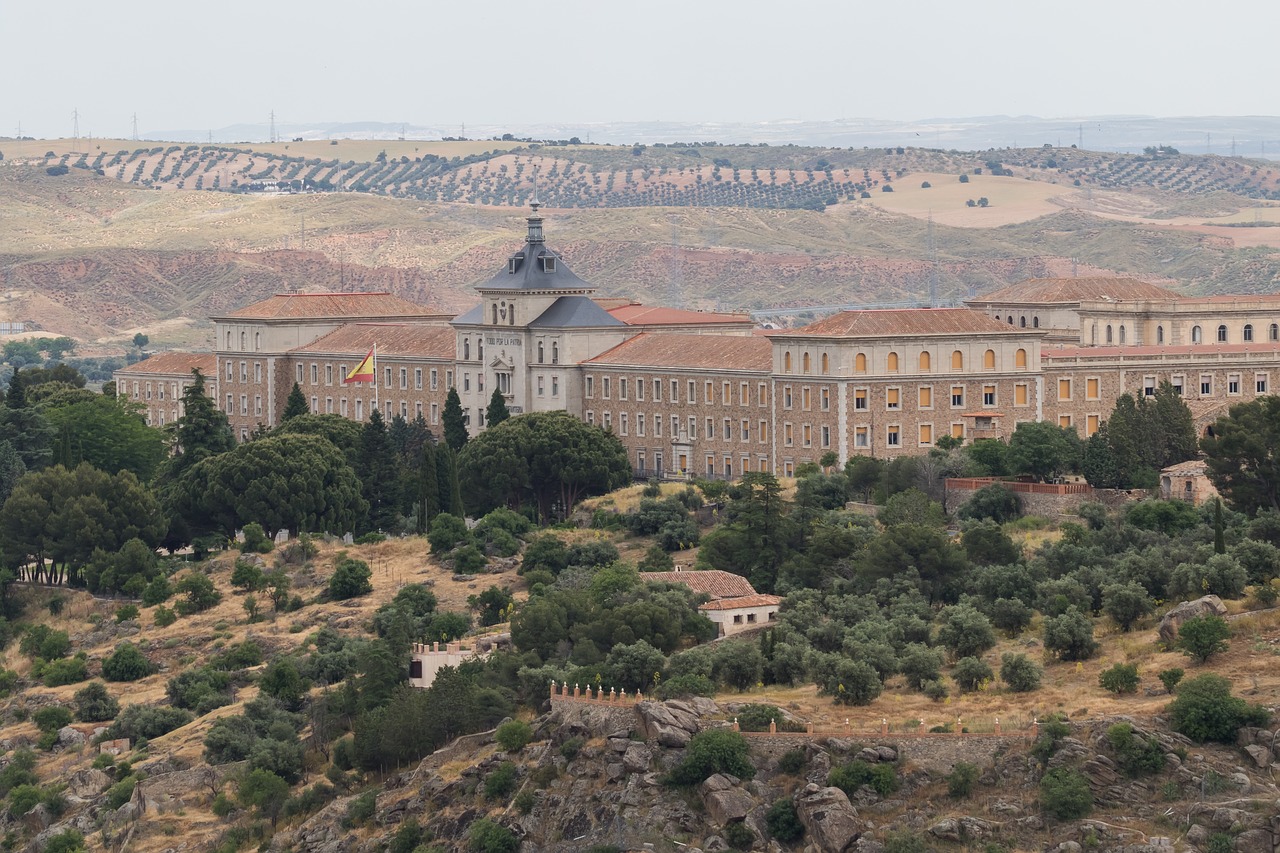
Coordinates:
(503, 342)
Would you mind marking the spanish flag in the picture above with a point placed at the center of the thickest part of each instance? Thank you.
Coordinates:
(364, 371)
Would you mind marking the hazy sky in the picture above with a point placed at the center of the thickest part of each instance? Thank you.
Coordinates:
(194, 66)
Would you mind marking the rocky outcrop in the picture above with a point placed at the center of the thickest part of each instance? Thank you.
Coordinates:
(961, 829)
(671, 724)
(724, 800)
(829, 818)
(84, 785)
(1208, 605)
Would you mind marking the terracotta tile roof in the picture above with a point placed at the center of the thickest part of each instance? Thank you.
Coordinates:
(635, 314)
(1207, 350)
(1192, 466)
(1075, 290)
(393, 340)
(177, 363)
(309, 306)
(758, 600)
(902, 321)
(714, 582)
(708, 352)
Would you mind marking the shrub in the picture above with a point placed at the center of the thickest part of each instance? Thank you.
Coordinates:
(94, 704)
(1052, 730)
(361, 809)
(67, 841)
(247, 576)
(965, 632)
(757, 716)
(971, 673)
(127, 663)
(121, 792)
(124, 614)
(50, 718)
(1135, 755)
(996, 502)
(1202, 637)
(783, 822)
(712, 752)
(41, 641)
(60, 672)
(157, 591)
(905, 841)
(935, 689)
(571, 747)
(1020, 673)
(199, 593)
(1126, 603)
(524, 801)
(1121, 678)
(920, 664)
(1010, 615)
(256, 540)
(792, 761)
(739, 835)
(881, 778)
(513, 735)
(961, 778)
(1170, 678)
(487, 836)
(686, 685)
(1065, 794)
(350, 579)
(1206, 710)
(164, 617)
(1070, 635)
(499, 784)
(147, 721)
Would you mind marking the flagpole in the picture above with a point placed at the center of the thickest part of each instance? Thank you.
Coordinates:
(375, 374)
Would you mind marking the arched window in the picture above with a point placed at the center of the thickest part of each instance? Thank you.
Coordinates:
(1010, 319)
(495, 313)
(892, 362)
(244, 338)
(228, 339)
(479, 349)
(466, 349)
(1248, 332)
(1159, 334)
(860, 363)
(257, 341)
(786, 362)
(1093, 334)
(511, 314)
(805, 362)
(989, 360)
(826, 364)
(555, 352)
(1108, 333)
(1022, 321)
(1020, 359)
(957, 360)
(926, 362)
(1273, 333)
(1222, 334)
(1122, 337)
(540, 352)
(1035, 322)
(1196, 335)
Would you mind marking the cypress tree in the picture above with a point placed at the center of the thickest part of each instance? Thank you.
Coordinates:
(428, 487)
(203, 429)
(455, 426)
(450, 491)
(497, 411)
(377, 471)
(24, 427)
(295, 405)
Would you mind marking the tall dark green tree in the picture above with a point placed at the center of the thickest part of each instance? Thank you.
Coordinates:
(497, 411)
(428, 488)
(1243, 455)
(296, 404)
(108, 433)
(379, 478)
(1098, 464)
(11, 470)
(203, 429)
(455, 425)
(24, 427)
(1043, 450)
(759, 535)
(450, 487)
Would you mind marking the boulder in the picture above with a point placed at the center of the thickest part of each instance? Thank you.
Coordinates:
(829, 818)
(1254, 841)
(87, 784)
(960, 829)
(887, 753)
(70, 737)
(1260, 754)
(1204, 606)
(724, 800)
(637, 757)
(670, 723)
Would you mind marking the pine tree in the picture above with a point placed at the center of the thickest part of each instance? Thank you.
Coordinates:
(203, 429)
(295, 405)
(428, 491)
(497, 411)
(455, 426)
(450, 490)
(24, 427)
(376, 467)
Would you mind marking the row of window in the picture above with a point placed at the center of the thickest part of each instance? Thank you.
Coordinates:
(731, 429)
(244, 341)
(924, 362)
(1235, 381)
(144, 393)
(1222, 334)
(391, 377)
(628, 389)
(746, 463)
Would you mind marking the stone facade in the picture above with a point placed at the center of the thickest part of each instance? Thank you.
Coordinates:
(156, 384)
(426, 661)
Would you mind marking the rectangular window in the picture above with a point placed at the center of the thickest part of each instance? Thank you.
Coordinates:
(707, 394)
(926, 397)
(1091, 388)
(893, 436)
(359, 410)
(711, 465)
(607, 384)
(231, 405)
(448, 378)
(257, 405)
(466, 382)
(1019, 395)
(892, 399)
(1233, 383)
(417, 378)
(957, 431)
(244, 371)
(926, 434)
(1064, 421)
(591, 387)
(639, 423)
(435, 379)
(622, 422)
(1206, 385)
(761, 396)
(300, 374)
(693, 392)
(657, 391)
(230, 369)
(675, 391)
(639, 390)
(786, 435)
(860, 399)
(608, 420)
(957, 396)
(657, 426)
(989, 395)
(744, 395)
(328, 374)
(1090, 425)
(825, 399)
(244, 404)
(257, 371)
(640, 460)
(675, 427)
(315, 374)
(386, 377)
(315, 405)
(541, 385)
(622, 389)
(1064, 389)
(746, 430)
(693, 429)
(786, 396)
(728, 430)
(1260, 383)
(764, 432)
(807, 432)
(404, 378)
(1178, 382)
(804, 398)
(555, 386)
(826, 436)
(711, 430)
(418, 406)
(1148, 386)
(724, 393)
(328, 405)
(591, 418)
(860, 437)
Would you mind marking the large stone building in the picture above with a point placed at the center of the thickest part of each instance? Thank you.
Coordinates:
(691, 392)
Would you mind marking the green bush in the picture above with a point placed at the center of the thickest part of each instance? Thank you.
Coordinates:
(524, 801)
(1120, 678)
(1070, 636)
(1201, 637)
(350, 579)
(971, 674)
(247, 576)
(199, 593)
(1171, 677)
(1205, 710)
(905, 841)
(50, 718)
(712, 752)
(44, 643)
(157, 591)
(1065, 794)
(60, 672)
(94, 704)
(513, 735)
(499, 784)
(487, 836)
(783, 822)
(256, 540)
(23, 799)
(223, 805)
(1020, 673)
(571, 747)
(127, 663)
(756, 717)
(687, 684)
(739, 835)
(961, 779)
(67, 841)
(361, 809)
(164, 617)
(1136, 756)
(147, 721)
(1053, 729)
(121, 792)
(792, 761)
(881, 778)
(124, 614)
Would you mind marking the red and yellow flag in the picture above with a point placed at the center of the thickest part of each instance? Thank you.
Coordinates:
(364, 371)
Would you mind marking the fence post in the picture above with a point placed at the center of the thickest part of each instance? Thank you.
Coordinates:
(773, 727)
(736, 727)
(809, 727)
(884, 726)
(922, 727)
(576, 692)
(998, 731)
(1035, 728)
(553, 688)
